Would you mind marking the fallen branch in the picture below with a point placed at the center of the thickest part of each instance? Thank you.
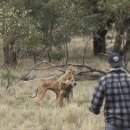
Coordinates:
(8, 78)
(45, 78)
(33, 68)
(57, 67)
(21, 78)
(82, 72)
(52, 66)
(88, 67)
(49, 67)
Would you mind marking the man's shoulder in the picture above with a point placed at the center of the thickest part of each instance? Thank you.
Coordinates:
(111, 75)
(104, 79)
(106, 76)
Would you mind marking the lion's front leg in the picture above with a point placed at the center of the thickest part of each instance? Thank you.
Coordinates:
(61, 98)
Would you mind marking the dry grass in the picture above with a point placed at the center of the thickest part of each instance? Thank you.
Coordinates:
(80, 47)
(18, 111)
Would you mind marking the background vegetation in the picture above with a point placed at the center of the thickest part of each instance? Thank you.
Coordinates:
(61, 32)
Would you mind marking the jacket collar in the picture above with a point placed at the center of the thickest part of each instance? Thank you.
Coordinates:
(117, 70)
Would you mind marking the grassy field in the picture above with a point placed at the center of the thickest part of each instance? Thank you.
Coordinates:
(18, 111)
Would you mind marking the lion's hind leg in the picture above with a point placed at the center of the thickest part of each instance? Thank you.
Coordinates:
(40, 96)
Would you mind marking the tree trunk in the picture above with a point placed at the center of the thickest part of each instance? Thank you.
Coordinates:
(6, 54)
(66, 52)
(49, 57)
(118, 42)
(99, 42)
(63, 54)
(10, 56)
(96, 47)
(103, 44)
(34, 58)
(126, 47)
(127, 44)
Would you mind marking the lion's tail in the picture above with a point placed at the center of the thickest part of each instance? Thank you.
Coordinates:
(34, 95)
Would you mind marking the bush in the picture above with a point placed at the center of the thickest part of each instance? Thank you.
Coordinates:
(56, 55)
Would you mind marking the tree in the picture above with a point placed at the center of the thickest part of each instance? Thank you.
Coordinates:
(49, 23)
(120, 14)
(13, 26)
(83, 17)
(100, 14)
(44, 15)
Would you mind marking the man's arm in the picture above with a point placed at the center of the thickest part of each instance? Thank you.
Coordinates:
(97, 99)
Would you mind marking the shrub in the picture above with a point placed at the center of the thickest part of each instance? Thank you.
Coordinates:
(56, 55)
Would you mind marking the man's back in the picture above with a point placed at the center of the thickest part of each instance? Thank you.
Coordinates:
(117, 98)
(115, 88)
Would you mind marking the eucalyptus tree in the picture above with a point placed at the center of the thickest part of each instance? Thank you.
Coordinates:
(57, 20)
(14, 25)
(43, 14)
(120, 10)
(99, 15)
(84, 17)
(97, 22)
(51, 23)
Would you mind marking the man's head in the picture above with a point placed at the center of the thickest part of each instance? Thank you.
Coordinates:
(115, 59)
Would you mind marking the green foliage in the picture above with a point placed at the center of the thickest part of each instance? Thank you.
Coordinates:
(13, 19)
(52, 22)
(7, 75)
(119, 9)
(43, 16)
(55, 55)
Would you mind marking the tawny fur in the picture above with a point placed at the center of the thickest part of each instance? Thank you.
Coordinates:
(68, 76)
(63, 87)
(61, 90)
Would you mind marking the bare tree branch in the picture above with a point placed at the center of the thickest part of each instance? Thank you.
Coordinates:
(33, 68)
(8, 76)
(50, 67)
(21, 78)
(82, 72)
(90, 68)
(55, 66)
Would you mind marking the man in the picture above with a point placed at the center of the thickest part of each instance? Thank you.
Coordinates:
(114, 89)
